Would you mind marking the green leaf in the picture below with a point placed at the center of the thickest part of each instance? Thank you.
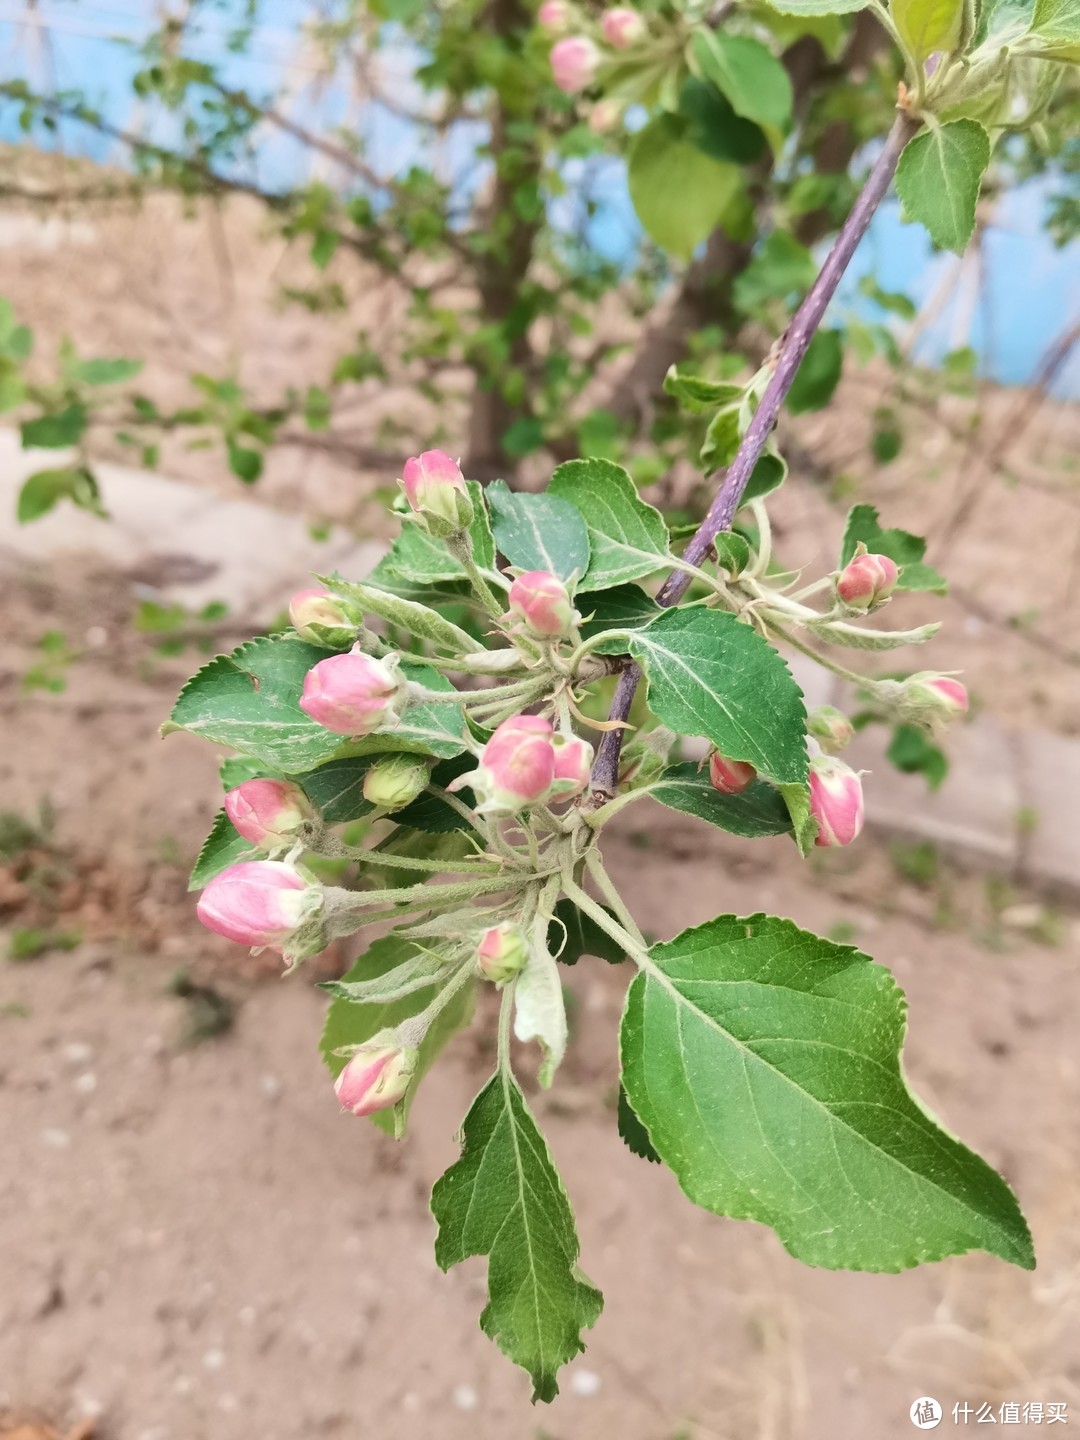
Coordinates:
(818, 7)
(46, 488)
(938, 180)
(417, 619)
(680, 193)
(235, 769)
(539, 532)
(573, 934)
(635, 1136)
(250, 701)
(623, 607)
(348, 1023)
(223, 847)
(104, 372)
(905, 549)
(504, 1199)
(780, 268)
(1057, 25)
(928, 25)
(709, 674)
(54, 432)
(765, 1064)
(336, 788)
(748, 73)
(417, 557)
(913, 753)
(714, 126)
(244, 462)
(759, 810)
(698, 395)
(819, 374)
(628, 538)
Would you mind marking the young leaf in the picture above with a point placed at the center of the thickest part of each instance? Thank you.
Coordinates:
(759, 810)
(765, 1064)
(348, 1023)
(1056, 23)
(900, 546)
(539, 1007)
(701, 396)
(748, 73)
(417, 619)
(680, 193)
(54, 432)
(623, 607)
(539, 532)
(416, 556)
(223, 847)
(928, 25)
(628, 538)
(781, 267)
(504, 1199)
(45, 488)
(635, 1136)
(709, 674)
(572, 934)
(818, 7)
(819, 374)
(938, 180)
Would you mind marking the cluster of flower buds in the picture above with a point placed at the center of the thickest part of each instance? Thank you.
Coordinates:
(437, 494)
(541, 603)
(259, 902)
(866, 581)
(272, 814)
(354, 694)
(576, 58)
(525, 764)
(501, 952)
(375, 1077)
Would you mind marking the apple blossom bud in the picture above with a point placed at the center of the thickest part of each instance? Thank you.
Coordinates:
(322, 619)
(542, 602)
(502, 952)
(730, 777)
(258, 902)
(396, 781)
(622, 27)
(375, 1078)
(553, 16)
(269, 813)
(836, 800)
(353, 694)
(574, 63)
(866, 581)
(931, 700)
(573, 765)
(605, 116)
(830, 727)
(435, 489)
(516, 769)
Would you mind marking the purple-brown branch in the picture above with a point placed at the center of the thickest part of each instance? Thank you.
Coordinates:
(792, 351)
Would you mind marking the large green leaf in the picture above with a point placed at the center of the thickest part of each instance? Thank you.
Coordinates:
(628, 538)
(819, 374)
(759, 810)
(223, 847)
(349, 1023)
(748, 73)
(680, 194)
(250, 701)
(572, 934)
(901, 546)
(539, 532)
(938, 180)
(928, 25)
(709, 674)
(1057, 25)
(336, 788)
(504, 1199)
(714, 127)
(765, 1064)
(623, 607)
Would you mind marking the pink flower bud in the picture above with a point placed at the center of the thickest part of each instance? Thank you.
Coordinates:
(932, 700)
(502, 952)
(573, 765)
(321, 618)
(396, 781)
(435, 489)
(516, 769)
(730, 777)
(605, 116)
(258, 902)
(830, 727)
(542, 601)
(553, 16)
(622, 27)
(353, 694)
(574, 63)
(375, 1078)
(866, 581)
(269, 813)
(836, 800)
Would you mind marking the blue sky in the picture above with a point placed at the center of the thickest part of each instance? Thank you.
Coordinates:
(1009, 314)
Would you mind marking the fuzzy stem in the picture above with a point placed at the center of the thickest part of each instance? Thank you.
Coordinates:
(792, 350)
